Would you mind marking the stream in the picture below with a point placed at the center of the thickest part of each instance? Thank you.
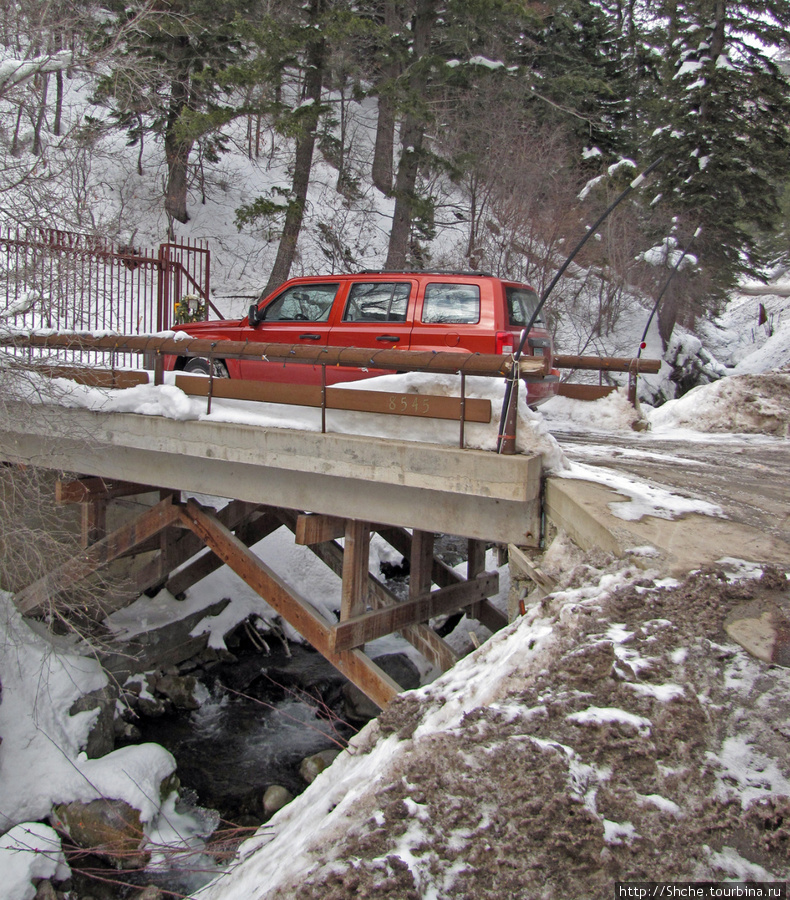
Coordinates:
(260, 717)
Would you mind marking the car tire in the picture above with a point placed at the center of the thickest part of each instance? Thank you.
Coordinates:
(197, 365)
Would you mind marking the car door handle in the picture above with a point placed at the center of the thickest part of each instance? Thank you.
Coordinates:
(389, 338)
(309, 337)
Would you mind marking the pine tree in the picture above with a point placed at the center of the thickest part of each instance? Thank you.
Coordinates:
(720, 119)
(169, 78)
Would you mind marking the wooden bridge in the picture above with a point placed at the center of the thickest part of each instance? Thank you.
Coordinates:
(321, 486)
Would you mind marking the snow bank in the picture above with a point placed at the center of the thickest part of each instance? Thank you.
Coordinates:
(28, 852)
(611, 413)
(735, 404)
(746, 404)
(41, 758)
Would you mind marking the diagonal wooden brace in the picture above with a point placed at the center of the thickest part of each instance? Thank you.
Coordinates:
(32, 599)
(297, 611)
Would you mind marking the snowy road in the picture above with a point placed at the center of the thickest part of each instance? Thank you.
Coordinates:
(749, 477)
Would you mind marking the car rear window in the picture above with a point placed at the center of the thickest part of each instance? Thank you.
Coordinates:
(521, 305)
(377, 301)
(451, 304)
(301, 303)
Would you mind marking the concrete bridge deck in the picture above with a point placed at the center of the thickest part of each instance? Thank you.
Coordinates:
(472, 493)
(351, 486)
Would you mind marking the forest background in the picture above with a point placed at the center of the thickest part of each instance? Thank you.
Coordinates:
(482, 134)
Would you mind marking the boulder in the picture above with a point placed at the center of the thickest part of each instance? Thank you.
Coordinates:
(313, 766)
(101, 739)
(45, 891)
(178, 689)
(275, 797)
(168, 645)
(109, 828)
(152, 892)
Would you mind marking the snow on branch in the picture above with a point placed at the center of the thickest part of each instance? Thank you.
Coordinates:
(17, 71)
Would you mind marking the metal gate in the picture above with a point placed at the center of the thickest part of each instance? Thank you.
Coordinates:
(64, 281)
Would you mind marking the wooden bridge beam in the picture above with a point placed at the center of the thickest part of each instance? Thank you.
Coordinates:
(443, 576)
(305, 618)
(32, 599)
(312, 528)
(82, 490)
(370, 625)
(356, 562)
(420, 564)
(437, 651)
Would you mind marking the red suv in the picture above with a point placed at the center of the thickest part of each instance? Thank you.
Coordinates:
(467, 312)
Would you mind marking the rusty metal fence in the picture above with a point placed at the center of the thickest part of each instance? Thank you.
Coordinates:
(54, 280)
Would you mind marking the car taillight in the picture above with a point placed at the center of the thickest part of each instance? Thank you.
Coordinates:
(504, 343)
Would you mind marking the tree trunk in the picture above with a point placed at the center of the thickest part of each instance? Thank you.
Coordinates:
(412, 135)
(667, 315)
(303, 162)
(381, 172)
(56, 128)
(177, 152)
(42, 111)
(58, 125)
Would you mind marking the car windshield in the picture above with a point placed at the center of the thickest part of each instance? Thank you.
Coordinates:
(521, 305)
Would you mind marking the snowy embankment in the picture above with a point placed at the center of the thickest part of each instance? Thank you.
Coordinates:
(610, 734)
(42, 762)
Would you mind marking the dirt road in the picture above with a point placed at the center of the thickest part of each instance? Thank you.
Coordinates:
(748, 477)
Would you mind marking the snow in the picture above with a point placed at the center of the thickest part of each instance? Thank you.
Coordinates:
(15, 71)
(28, 852)
(42, 760)
(594, 715)
(668, 254)
(641, 499)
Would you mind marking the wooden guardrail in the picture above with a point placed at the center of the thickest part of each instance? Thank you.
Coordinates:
(156, 347)
(440, 362)
(609, 364)
(460, 409)
(635, 366)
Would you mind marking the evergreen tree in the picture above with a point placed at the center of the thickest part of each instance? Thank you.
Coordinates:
(720, 118)
(309, 112)
(170, 78)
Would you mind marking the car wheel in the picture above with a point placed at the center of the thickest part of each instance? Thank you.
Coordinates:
(197, 365)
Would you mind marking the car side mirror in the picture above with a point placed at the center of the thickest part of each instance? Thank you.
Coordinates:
(254, 315)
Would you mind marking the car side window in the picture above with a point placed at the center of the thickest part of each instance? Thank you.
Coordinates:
(451, 304)
(301, 303)
(377, 301)
(521, 305)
